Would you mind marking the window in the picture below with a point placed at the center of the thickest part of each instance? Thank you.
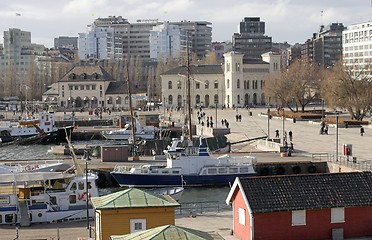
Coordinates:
(72, 198)
(241, 214)
(299, 218)
(81, 185)
(216, 84)
(238, 83)
(206, 84)
(9, 218)
(238, 67)
(228, 83)
(137, 225)
(73, 186)
(93, 87)
(197, 85)
(337, 215)
(179, 85)
(170, 85)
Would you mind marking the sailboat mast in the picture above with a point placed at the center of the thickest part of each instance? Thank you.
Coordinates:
(188, 85)
(135, 157)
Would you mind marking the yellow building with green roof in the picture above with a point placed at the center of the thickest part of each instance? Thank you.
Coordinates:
(130, 211)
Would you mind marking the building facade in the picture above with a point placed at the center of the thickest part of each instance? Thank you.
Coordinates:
(89, 87)
(133, 39)
(66, 42)
(245, 79)
(328, 45)
(357, 45)
(21, 66)
(251, 39)
(165, 41)
(308, 206)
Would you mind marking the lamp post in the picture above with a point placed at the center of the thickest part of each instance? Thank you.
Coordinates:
(336, 138)
(283, 130)
(268, 123)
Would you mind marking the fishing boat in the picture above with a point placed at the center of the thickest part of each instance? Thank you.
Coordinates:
(192, 167)
(45, 197)
(40, 126)
(143, 132)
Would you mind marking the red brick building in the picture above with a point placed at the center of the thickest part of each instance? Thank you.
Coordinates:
(321, 206)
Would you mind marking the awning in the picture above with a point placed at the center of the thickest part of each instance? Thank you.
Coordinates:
(94, 98)
(109, 98)
(32, 177)
(70, 99)
(118, 98)
(86, 99)
(54, 99)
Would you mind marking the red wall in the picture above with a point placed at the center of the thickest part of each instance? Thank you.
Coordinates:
(240, 231)
(358, 223)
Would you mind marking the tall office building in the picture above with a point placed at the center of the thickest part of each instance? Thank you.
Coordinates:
(328, 45)
(357, 45)
(251, 39)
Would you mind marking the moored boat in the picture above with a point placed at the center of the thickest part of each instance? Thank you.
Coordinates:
(192, 167)
(143, 132)
(45, 197)
(38, 128)
(174, 192)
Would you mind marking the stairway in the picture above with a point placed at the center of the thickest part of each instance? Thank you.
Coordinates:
(24, 220)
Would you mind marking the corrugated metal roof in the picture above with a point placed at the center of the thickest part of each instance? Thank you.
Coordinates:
(168, 232)
(133, 198)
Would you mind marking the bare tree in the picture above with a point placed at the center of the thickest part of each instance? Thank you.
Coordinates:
(350, 88)
(296, 86)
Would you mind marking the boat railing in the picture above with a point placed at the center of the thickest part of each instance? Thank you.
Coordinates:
(201, 207)
(192, 151)
(122, 169)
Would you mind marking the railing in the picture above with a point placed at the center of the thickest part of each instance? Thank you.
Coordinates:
(347, 161)
(201, 207)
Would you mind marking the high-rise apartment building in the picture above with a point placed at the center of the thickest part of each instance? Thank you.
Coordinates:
(135, 37)
(99, 43)
(20, 64)
(357, 45)
(165, 41)
(251, 39)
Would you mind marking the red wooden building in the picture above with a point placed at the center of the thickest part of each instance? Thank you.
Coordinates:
(316, 206)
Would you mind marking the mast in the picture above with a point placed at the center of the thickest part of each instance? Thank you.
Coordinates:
(188, 85)
(135, 157)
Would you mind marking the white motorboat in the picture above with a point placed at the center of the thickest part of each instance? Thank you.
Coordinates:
(143, 132)
(191, 167)
(34, 166)
(174, 192)
(45, 197)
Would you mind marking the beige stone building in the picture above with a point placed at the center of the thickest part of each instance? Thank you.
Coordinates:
(89, 87)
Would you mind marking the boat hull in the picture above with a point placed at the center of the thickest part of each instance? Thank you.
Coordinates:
(115, 136)
(153, 180)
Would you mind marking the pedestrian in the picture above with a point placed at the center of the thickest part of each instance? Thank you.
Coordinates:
(290, 135)
(326, 129)
(236, 117)
(361, 131)
(291, 147)
(211, 124)
(277, 133)
(285, 136)
(222, 122)
(227, 124)
(207, 123)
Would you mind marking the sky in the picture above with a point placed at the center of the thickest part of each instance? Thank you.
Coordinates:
(291, 21)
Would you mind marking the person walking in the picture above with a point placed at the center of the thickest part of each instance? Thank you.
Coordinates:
(361, 131)
(277, 133)
(290, 134)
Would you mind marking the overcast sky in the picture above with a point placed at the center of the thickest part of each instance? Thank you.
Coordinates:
(286, 20)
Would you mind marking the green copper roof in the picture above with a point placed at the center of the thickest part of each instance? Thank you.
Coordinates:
(168, 232)
(133, 198)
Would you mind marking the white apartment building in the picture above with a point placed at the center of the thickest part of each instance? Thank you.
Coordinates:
(165, 41)
(99, 43)
(357, 44)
